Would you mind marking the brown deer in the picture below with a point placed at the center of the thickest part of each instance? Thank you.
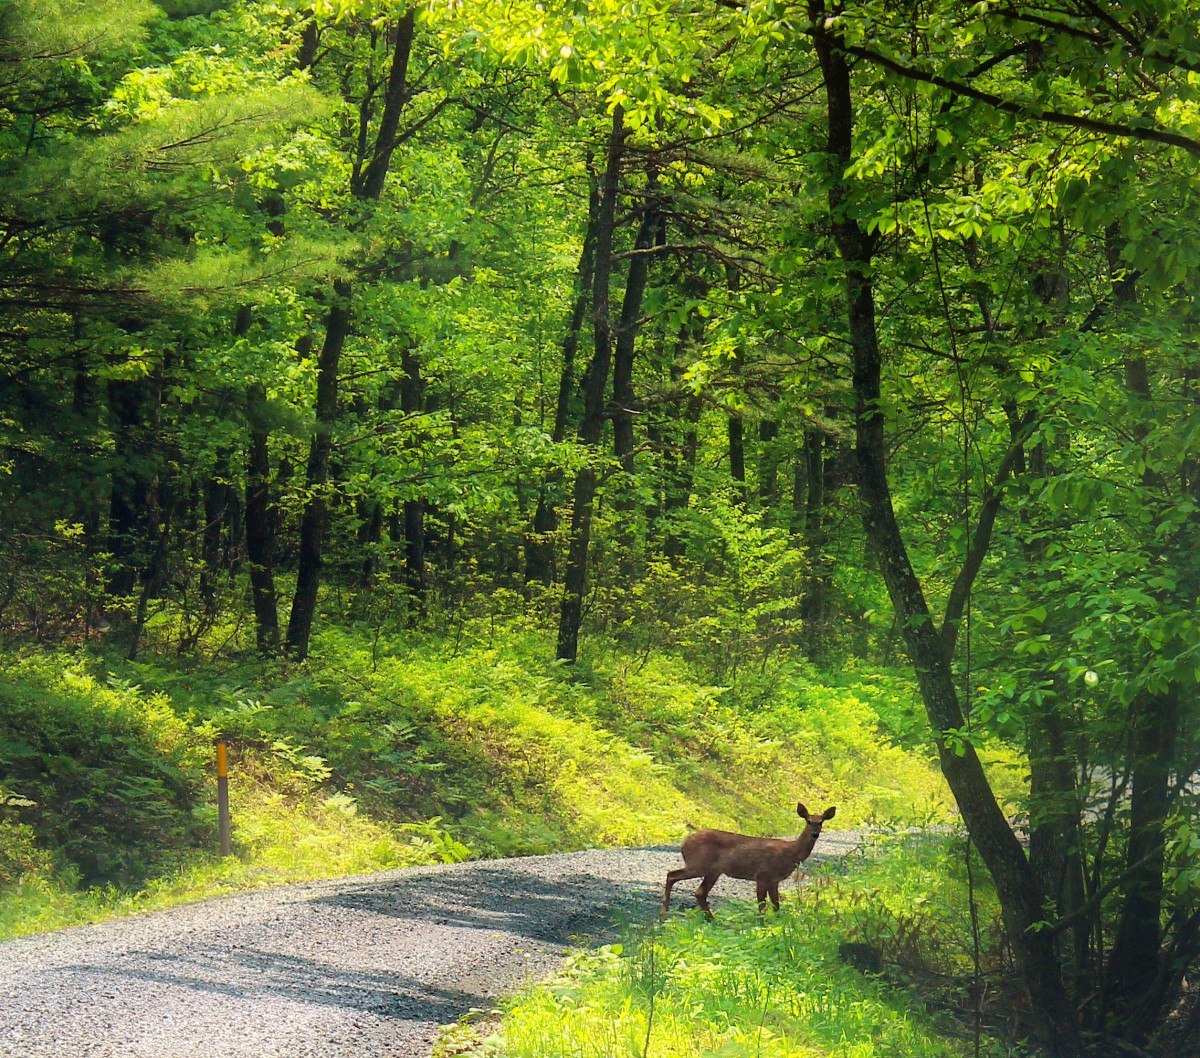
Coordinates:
(708, 854)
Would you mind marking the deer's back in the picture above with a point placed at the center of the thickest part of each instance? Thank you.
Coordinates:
(738, 855)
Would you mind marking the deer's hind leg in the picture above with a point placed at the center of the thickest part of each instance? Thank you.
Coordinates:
(679, 875)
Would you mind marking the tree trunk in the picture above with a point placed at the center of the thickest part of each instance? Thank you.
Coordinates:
(154, 575)
(624, 398)
(1134, 978)
(310, 37)
(594, 386)
(814, 608)
(627, 329)
(679, 470)
(130, 538)
(370, 512)
(1055, 810)
(768, 463)
(735, 434)
(313, 520)
(366, 184)
(1133, 992)
(1055, 842)
(539, 547)
(412, 402)
(260, 523)
(218, 506)
(928, 649)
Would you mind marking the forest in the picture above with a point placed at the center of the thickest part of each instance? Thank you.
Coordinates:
(741, 333)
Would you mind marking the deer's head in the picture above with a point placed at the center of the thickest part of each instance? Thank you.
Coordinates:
(813, 823)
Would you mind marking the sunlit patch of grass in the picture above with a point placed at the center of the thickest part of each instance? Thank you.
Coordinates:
(739, 986)
(276, 840)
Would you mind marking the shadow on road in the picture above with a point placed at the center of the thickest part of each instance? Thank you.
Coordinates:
(520, 902)
(249, 974)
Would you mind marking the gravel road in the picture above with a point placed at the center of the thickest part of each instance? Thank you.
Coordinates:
(364, 967)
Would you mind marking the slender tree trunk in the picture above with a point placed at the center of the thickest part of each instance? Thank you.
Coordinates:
(928, 648)
(370, 530)
(154, 575)
(595, 384)
(735, 426)
(219, 503)
(260, 523)
(679, 470)
(218, 506)
(768, 463)
(626, 334)
(367, 184)
(624, 398)
(313, 521)
(310, 37)
(682, 439)
(814, 609)
(1055, 852)
(1055, 841)
(412, 401)
(1133, 990)
(90, 502)
(539, 547)
(735, 435)
(370, 512)
(1134, 981)
(129, 520)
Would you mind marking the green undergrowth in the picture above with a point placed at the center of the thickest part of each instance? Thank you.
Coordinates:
(780, 987)
(380, 753)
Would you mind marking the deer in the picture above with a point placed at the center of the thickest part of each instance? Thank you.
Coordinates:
(708, 854)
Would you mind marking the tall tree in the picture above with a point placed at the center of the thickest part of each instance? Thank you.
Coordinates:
(367, 181)
(595, 384)
(930, 648)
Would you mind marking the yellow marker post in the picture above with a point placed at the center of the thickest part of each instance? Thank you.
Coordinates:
(223, 798)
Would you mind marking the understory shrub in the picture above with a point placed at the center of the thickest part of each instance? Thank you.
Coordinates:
(106, 776)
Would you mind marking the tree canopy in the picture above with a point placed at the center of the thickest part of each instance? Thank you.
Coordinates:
(747, 329)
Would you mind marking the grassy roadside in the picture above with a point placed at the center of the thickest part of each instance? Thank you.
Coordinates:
(777, 988)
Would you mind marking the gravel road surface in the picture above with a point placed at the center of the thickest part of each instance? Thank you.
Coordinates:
(364, 967)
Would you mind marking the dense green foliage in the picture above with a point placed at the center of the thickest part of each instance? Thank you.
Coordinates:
(755, 335)
(112, 781)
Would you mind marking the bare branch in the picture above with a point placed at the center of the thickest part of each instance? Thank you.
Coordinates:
(990, 508)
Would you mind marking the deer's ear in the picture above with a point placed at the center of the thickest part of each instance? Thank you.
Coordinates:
(801, 811)
(829, 813)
